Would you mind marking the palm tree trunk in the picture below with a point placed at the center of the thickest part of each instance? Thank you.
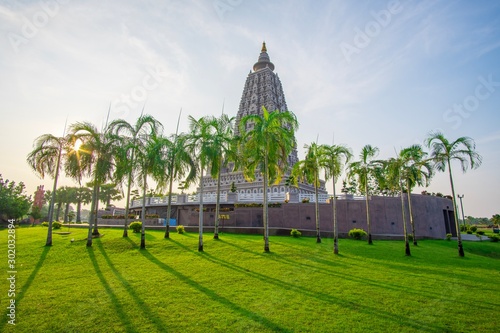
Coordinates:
(407, 244)
(79, 211)
(455, 213)
(95, 232)
(127, 206)
(265, 208)
(368, 214)
(169, 205)
(92, 213)
(335, 227)
(58, 213)
(53, 200)
(200, 221)
(412, 222)
(316, 208)
(217, 203)
(66, 212)
(143, 212)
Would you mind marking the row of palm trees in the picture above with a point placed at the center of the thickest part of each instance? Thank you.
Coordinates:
(397, 175)
(131, 154)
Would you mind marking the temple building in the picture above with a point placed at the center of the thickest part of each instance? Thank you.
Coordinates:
(262, 88)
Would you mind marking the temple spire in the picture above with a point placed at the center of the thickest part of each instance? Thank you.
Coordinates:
(264, 60)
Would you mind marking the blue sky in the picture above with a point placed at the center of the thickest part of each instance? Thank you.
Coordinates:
(384, 73)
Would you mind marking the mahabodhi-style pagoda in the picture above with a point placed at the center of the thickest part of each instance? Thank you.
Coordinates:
(262, 88)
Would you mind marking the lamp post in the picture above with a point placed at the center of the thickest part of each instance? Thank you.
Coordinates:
(462, 207)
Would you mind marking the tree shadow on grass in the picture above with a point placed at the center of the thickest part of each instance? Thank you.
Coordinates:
(109, 291)
(141, 305)
(214, 296)
(326, 298)
(26, 286)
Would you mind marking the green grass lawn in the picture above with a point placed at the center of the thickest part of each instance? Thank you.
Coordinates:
(234, 286)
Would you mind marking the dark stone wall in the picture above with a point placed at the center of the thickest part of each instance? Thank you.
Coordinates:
(385, 216)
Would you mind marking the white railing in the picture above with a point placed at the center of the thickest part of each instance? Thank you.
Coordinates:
(242, 197)
(207, 197)
(322, 198)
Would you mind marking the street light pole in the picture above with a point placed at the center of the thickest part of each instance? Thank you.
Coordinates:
(462, 207)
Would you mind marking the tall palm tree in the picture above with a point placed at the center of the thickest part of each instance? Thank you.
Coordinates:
(179, 163)
(266, 141)
(364, 170)
(150, 160)
(97, 158)
(443, 152)
(335, 156)
(145, 125)
(417, 170)
(201, 145)
(45, 158)
(394, 168)
(308, 170)
(223, 143)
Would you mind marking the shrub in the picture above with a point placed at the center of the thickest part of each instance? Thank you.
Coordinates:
(473, 228)
(136, 226)
(357, 233)
(495, 238)
(45, 224)
(469, 232)
(305, 200)
(410, 237)
(295, 233)
(448, 237)
(56, 225)
(463, 228)
(180, 229)
(480, 232)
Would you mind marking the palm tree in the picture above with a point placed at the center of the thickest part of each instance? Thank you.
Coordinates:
(443, 152)
(307, 170)
(109, 192)
(335, 157)
(364, 170)
(97, 159)
(265, 144)
(223, 143)
(149, 157)
(45, 158)
(416, 171)
(393, 169)
(83, 196)
(179, 162)
(145, 125)
(201, 145)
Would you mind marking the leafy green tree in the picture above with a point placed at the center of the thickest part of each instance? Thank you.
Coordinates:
(443, 152)
(36, 214)
(495, 219)
(131, 135)
(98, 149)
(363, 170)
(223, 143)
(201, 144)
(416, 170)
(179, 162)
(46, 158)
(307, 170)
(14, 203)
(266, 142)
(335, 156)
(83, 196)
(149, 156)
(109, 192)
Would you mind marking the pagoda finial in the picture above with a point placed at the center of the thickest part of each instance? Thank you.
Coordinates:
(264, 49)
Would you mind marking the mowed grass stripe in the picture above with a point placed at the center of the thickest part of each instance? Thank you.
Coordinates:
(234, 286)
